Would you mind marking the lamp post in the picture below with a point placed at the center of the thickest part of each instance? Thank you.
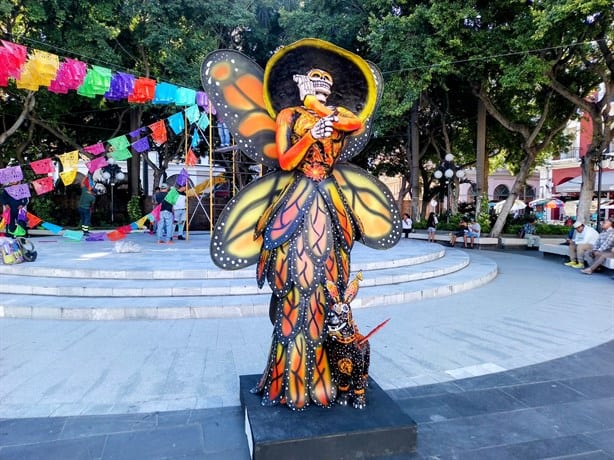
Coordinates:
(446, 171)
(603, 161)
(111, 174)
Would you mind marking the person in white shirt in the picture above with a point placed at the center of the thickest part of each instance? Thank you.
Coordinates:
(473, 232)
(179, 211)
(583, 240)
(407, 225)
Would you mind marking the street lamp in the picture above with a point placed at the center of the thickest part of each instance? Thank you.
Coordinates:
(603, 161)
(446, 171)
(111, 174)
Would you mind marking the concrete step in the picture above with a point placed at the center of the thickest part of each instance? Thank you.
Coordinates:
(480, 270)
(90, 281)
(156, 286)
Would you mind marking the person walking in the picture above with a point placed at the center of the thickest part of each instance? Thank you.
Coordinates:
(86, 203)
(431, 226)
(179, 211)
(165, 224)
(407, 225)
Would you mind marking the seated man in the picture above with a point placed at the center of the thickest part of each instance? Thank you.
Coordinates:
(462, 229)
(582, 241)
(599, 259)
(530, 233)
(472, 233)
(601, 248)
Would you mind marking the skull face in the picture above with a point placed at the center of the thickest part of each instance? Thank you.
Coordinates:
(322, 83)
(338, 318)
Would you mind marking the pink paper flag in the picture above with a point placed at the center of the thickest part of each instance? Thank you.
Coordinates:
(43, 185)
(95, 149)
(44, 166)
(96, 164)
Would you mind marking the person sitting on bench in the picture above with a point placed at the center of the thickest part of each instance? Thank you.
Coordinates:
(472, 233)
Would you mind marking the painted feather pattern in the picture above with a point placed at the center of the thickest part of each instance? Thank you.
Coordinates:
(299, 231)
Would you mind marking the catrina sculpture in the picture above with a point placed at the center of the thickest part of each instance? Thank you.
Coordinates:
(303, 117)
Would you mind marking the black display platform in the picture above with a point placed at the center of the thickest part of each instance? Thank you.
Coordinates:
(339, 432)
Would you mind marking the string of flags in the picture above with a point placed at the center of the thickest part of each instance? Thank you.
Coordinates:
(35, 69)
(119, 233)
(119, 148)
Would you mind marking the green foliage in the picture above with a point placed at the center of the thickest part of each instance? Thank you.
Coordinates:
(542, 229)
(135, 209)
(43, 207)
(483, 217)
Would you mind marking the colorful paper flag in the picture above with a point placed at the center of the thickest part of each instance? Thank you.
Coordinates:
(44, 166)
(192, 113)
(43, 185)
(158, 132)
(33, 221)
(141, 145)
(119, 142)
(190, 158)
(55, 229)
(176, 122)
(68, 177)
(95, 149)
(11, 174)
(96, 164)
(182, 178)
(172, 195)
(18, 191)
(73, 234)
(69, 160)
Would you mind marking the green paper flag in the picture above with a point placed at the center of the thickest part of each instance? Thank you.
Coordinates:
(119, 142)
(121, 154)
(172, 196)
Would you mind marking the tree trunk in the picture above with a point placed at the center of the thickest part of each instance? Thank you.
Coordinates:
(27, 107)
(414, 138)
(481, 172)
(519, 183)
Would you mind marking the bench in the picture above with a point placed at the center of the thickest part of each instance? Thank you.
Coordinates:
(505, 242)
(444, 236)
(563, 250)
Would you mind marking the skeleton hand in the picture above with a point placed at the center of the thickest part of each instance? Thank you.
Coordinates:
(305, 86)
(323, 127)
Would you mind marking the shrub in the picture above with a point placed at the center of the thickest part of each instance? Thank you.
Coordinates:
(135, 210)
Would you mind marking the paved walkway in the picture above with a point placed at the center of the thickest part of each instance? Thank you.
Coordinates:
(536, 310)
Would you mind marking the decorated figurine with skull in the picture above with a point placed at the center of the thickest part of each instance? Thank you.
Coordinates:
(348, 350)
(303, 116)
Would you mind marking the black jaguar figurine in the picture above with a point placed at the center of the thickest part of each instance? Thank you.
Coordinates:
(348, 350)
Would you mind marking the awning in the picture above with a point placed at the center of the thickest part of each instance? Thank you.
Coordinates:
(573, 185)
(571, 207)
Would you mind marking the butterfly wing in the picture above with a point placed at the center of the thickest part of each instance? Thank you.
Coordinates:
(234, 244)
(373, 206)
(233, 83)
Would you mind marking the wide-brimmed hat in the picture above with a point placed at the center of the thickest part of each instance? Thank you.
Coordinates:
(163, 186)
(354, 85)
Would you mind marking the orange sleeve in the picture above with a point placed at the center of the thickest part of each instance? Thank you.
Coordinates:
(290, 155)
(347, 121)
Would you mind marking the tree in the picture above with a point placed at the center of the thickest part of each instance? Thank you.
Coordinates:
(582, 72)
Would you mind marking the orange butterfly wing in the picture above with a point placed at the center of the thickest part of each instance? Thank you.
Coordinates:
(234, 244)
(233, 83)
